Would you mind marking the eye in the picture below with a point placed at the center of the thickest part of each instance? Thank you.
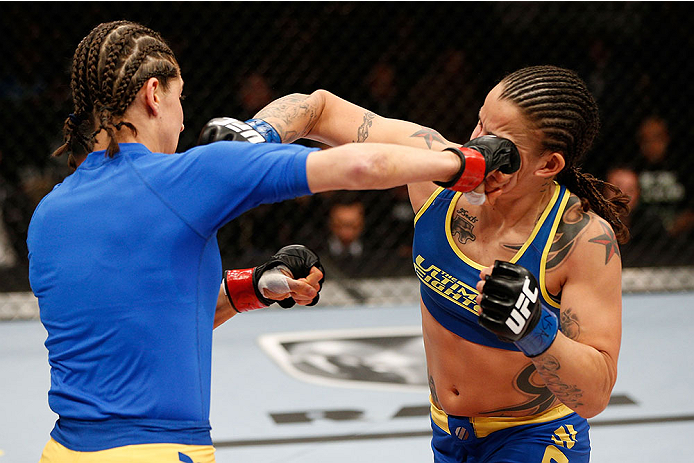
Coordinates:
(182, 97)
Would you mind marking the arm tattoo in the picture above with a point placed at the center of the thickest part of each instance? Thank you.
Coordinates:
(548, 367)
(462, 224)
(608, 240)
(363, 130)
(429, 136)
(287, 115)
(541, 398)
(569, 324)
(573, 224)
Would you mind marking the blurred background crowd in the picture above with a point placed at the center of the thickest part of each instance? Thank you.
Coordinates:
(427, 62)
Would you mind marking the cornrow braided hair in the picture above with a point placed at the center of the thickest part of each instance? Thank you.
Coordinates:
(109, 67)
(560, 105)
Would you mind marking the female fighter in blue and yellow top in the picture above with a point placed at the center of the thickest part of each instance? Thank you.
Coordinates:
(520, 279)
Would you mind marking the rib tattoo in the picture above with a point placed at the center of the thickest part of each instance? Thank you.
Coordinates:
(542, 398)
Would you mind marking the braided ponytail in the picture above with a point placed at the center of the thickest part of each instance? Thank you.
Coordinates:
(559, 103)
(590, 190)
(109, 67)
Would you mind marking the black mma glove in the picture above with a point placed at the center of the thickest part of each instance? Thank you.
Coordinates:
(511, 309)
(241, 286)
(230, 129)
(480, 156)
(298, 259)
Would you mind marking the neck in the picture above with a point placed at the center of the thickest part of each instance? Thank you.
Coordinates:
(124, 135)
(515, 211)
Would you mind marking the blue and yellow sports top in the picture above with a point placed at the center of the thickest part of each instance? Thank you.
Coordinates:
(448, 277)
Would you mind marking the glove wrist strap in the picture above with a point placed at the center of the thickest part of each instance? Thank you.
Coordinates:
(240, 289)
(471, 173)
(542, 335)
(266, 130)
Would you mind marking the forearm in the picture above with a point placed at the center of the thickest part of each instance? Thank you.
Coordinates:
(377, 166)
(224, 310)
(577, 374)
(293, 116)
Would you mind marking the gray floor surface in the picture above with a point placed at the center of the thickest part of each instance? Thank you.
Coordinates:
(370, 406)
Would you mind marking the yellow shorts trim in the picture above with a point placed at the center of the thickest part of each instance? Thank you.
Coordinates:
(439, 416)
(484, 426)
(144, 453)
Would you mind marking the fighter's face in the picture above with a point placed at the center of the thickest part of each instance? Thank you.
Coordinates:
(504, 118)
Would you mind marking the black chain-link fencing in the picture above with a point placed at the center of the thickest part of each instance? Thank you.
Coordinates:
(431, 63)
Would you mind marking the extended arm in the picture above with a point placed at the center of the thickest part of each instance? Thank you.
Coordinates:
(324, 117)
(329, 119)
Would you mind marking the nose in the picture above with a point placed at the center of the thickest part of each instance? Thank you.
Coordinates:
(182, 127)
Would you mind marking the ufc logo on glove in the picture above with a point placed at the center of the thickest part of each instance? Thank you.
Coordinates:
(249, 133)
(511, 309)
(520, 315)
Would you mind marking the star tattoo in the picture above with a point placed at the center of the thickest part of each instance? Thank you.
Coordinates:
(608, 240)
(429, 136)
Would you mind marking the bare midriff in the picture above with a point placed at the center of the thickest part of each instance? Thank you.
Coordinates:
(468, 379)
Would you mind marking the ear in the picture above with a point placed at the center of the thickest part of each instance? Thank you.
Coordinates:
(552, 165)
(151, 94)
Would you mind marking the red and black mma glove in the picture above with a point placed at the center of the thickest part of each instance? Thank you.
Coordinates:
(230, 129)
(511, 309)
(480, 156)
(241, 286)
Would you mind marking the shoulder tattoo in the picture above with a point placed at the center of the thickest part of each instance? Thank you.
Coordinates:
(462, 225)
(573, 224)
(428, 135)
(363, 130)
(607, 239)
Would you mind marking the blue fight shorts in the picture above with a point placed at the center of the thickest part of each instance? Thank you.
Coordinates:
(558, 435)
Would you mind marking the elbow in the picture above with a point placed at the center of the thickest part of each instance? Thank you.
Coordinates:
(592, 410)
(321, 96)
(600, 401)
(371, 170)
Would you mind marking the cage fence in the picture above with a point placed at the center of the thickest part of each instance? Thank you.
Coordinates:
(431, 63)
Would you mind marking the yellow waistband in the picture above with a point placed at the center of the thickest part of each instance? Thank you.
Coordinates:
(484, 426)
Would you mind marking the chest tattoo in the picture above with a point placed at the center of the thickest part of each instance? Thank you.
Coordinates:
(462, 225)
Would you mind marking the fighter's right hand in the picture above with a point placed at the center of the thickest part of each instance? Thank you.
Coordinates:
(230, 129)
(479, 157)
